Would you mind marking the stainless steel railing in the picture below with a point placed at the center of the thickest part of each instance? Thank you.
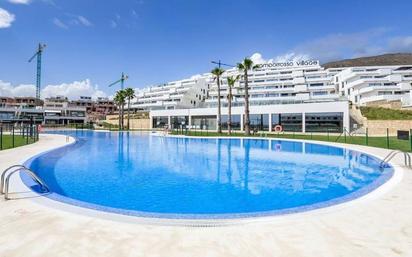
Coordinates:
(391, 155)
(7, 173)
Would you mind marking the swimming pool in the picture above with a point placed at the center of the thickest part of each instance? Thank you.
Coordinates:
(169, 177)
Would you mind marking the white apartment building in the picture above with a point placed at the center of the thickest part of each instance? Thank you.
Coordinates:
(187, 93)
(289, 82)
(295, 84)
(372, 84)
(279, 83)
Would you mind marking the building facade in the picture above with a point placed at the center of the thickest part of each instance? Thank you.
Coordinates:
(57, 110)
(277, 88)
(187, 93)
(21, 110)
(60, 111)
(375, 84)
(299, 117)
(284, 83)
(96, 109)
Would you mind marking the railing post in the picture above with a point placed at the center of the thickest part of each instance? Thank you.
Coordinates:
(12, 136)
(1, 138)
(327, 131)
(27, 136)
(387, 138)
(410, 139)
(367, 137)
(344, 134)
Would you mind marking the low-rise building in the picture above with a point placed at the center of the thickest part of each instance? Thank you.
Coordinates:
(60, 111)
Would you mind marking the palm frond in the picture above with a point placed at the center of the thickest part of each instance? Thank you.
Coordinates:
(217, 71)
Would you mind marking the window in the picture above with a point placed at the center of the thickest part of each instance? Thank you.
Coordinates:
(179, 121)
(289, 121)
(204, 122)
(384, 92)
(316, 85)
(159, 122)
(259, 122)
(324, 122)
(316, 93)
(375, 84)
(235, 122)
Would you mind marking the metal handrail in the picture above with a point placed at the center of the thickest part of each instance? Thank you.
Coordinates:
(3, 175)
(6, 183)
(391, 155)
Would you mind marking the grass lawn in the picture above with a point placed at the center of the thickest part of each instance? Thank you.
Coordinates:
(381, 142)
(378, 113)
(7, 141)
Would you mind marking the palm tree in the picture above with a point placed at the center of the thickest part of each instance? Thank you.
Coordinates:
(245, 66)
(120, 100)
(129, 95)
(231, 83)
(217, 72)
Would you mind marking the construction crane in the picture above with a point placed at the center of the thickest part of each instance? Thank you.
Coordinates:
(219, 63)
(38, 54)
(121, 80)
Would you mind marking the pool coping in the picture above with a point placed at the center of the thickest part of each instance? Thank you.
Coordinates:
(88, 209)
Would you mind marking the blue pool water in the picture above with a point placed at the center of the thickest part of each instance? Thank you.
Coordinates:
(142, 174)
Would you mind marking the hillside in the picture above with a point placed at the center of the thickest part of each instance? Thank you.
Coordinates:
(385, 59)
(378, 113)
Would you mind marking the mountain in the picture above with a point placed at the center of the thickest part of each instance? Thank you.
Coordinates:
(384, 59)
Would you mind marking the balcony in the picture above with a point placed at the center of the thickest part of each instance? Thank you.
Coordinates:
(375, 98)
(374, 88)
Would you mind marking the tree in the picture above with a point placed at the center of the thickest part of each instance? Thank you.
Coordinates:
(120, 100)
(245, 66)
(129, 95)
(217, 72)
(231, 83)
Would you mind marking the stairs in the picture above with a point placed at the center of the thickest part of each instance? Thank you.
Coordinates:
(357, 121)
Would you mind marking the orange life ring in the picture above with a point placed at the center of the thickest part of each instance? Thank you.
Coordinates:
(278, 128)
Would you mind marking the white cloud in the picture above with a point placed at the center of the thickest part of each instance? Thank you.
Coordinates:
(339, 46)
(72, 90)
(73, 20)
(345, 45)
(6, 18)
(20, 1)
(401, 44)
(60, 24)
(257, 58)
(113, 24)
(291, 56)
(84, 21)
(197, 76)
(6, 89)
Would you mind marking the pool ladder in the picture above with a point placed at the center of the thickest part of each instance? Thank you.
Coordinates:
(391, 155)
(5, 180)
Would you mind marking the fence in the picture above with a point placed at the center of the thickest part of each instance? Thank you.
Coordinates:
(14, 136)
(385, 138)
(68, 126)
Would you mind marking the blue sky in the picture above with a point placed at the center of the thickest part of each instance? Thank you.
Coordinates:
(155, 41)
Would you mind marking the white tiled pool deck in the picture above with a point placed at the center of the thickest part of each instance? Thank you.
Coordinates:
(379, 224)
